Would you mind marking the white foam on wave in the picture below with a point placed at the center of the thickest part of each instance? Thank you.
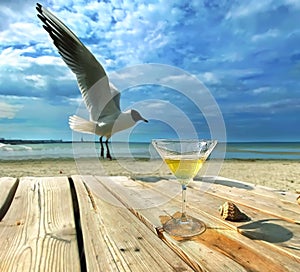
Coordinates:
(11, 148)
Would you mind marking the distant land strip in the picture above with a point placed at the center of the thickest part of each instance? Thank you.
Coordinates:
(19, 141)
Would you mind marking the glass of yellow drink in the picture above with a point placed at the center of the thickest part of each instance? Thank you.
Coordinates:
(184, 158)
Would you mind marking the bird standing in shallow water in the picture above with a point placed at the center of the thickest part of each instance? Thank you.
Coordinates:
(101, 98)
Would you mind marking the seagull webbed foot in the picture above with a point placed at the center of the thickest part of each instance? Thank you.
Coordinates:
(108, 156)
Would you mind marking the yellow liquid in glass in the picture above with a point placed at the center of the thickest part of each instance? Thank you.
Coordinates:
(184, 168)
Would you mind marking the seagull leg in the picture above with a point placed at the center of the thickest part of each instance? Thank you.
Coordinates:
(108, 156)
(102, 148)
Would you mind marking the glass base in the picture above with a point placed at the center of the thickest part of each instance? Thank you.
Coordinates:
(187, 228)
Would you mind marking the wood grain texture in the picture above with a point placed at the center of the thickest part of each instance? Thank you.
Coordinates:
(273, 220)
(199, 256)
(118, 226)
(114, 239)
(225, 244)
(38, 233)
(265, 200)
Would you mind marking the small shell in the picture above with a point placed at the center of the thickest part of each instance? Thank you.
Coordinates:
(229, 211)
(298, 199)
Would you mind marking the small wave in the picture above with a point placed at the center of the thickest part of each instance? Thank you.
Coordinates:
(9, 147)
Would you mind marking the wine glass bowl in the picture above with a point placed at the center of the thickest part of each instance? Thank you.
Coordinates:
(184, 158)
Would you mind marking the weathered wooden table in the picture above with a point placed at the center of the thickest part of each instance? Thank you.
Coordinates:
(114, 224)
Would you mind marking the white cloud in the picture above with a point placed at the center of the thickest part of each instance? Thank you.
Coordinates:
(294, 3)
(20, 59)
(11, 57)
(155, 37)
(8, 111)
(209, 77)
(119, 14)
(47, 60)
(265, 107)
(192, 36)
(37, 81)
(167, 113)
(261, 90)
(253, 7)
(232, 56)
(271, 33)
(154, 105)
(19, 33)
(248, 8)
(237, 73)
(75, 101)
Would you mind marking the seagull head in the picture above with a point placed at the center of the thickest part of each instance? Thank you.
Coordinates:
(136, 116)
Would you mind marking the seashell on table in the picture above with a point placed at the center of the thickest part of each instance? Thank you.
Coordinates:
(229, 211)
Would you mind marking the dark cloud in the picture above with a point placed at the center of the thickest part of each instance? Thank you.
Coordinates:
(247, 54)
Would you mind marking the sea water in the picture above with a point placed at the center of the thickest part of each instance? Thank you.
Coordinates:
(74, 150)
(255, 150)
(263, 150)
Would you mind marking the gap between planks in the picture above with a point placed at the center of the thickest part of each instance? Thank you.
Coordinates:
(8, 190)
(116, 229)
(130, 187)
(37, 189)
(77, 217)
(37, 228)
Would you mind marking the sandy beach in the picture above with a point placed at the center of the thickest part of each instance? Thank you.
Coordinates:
(278, 174)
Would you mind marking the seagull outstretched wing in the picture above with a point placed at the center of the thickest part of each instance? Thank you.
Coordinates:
(100, 97)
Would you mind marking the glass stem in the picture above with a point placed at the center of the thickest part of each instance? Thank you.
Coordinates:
(183, 213)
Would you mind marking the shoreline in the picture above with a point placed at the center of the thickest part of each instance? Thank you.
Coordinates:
(139, 159)
(278, 174)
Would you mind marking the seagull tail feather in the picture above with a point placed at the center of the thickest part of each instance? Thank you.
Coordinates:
(82, 125)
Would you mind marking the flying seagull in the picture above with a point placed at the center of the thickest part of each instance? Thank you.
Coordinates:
(101, 97)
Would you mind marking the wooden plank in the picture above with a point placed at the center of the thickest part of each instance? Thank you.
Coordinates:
(273, 221)
(38, 232)
(215, 262)
(284, 235)
(8, 187)
(246, 250)
(96, 244)
(114, 239)
(198, 256)
(254, 196)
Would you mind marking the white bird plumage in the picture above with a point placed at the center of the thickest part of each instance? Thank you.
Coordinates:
(101, 98)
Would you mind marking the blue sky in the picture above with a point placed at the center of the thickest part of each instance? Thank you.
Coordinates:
(246, 53)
